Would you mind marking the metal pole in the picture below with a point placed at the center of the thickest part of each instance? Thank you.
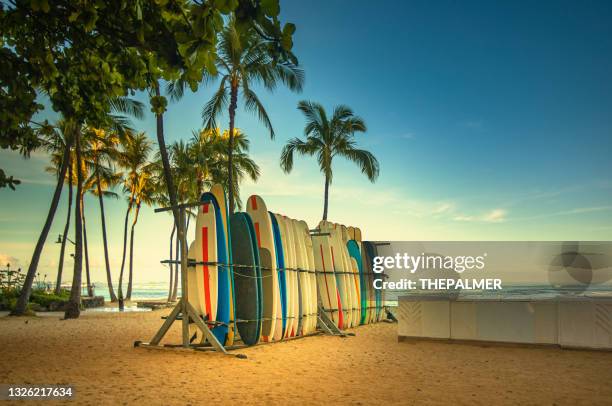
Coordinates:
(184, 296)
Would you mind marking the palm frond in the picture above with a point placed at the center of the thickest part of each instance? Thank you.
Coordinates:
(216, 105)
(254, 105)
(129, 106)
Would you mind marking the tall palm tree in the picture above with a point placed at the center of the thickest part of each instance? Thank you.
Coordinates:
(73, 307)
(26, 290)
(134, 159)
(55, 144)
(144, 194)
(327, 138)
(103, 150)
(244, 59)
(87, 186)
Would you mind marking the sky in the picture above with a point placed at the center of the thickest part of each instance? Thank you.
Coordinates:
(490, 120)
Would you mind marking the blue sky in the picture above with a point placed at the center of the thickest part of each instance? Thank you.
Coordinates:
(491, 121)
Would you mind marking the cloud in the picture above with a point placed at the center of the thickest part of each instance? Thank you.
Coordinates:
(492, 216)
(9, 259)
(495, 216)
(443, 208)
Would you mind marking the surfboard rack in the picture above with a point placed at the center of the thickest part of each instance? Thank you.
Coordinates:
(184, 311)
(328, 326)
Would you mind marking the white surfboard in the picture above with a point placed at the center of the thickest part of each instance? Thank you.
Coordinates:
(312, 277)
(337, 264)
(301, 263)
(291, 289)
(271, 328)
(326, 279)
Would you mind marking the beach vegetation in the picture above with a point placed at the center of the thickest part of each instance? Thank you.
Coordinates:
(80, 59)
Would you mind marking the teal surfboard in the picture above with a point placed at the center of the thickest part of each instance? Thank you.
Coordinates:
(354, 252)
(247, 278)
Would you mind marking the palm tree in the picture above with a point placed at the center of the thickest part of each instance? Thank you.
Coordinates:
(103, 149)
(26, 289)
(242, 164)
(327, 139)
(144, 194)
(244, 59)
(72, 309)
(55, 144)
(134, 159)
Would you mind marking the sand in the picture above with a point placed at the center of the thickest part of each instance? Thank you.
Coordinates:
(95, 354)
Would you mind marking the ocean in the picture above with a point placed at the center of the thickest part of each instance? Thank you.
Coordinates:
(159, 290)
(140, 290)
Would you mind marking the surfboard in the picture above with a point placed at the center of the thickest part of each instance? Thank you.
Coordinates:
(355, 281)
(311, 324)
(224, 278)
(255, 248)
(203, 288)
(376, 305)
(282, 276)
(337, 266)
(350, 280)
(256, 208)
(291, 275)
(194, 296)
(355, 254)
(301, 263)
(326, 278)
(218, 192)
(295, 276)
(246, 278)
(367, 270)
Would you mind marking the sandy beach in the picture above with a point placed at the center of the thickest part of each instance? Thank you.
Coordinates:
(95, 354)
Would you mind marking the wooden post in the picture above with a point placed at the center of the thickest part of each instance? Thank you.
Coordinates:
(187, 312)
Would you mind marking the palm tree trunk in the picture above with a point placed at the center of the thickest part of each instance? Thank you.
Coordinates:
(125, 226)
(159, 118)
(171, 265)
(73, 307)
(326, 197)
(230, 154)
(60, 266)
(26, 289)
(89, 289)
(109, 280)
(128, 296)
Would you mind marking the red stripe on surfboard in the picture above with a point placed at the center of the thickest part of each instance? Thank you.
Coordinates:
(254, 202)
(257, 234)
(206, 273)
(341, 316)
(205, 208)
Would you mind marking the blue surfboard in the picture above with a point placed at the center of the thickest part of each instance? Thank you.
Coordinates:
(225, 279)
(280, 264)
(353, 249)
